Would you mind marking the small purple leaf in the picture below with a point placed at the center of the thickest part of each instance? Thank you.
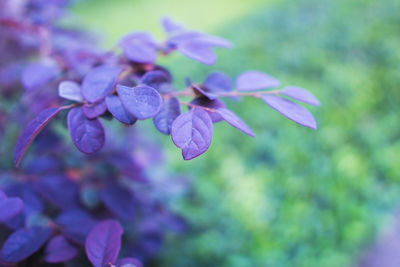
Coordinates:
(119, 200)
(202, 92)
(75, 224)
(169, 111)
(218, 82)
(139, 47)
(99, 82)
(198, 51)
(300, 94)
(235, 121)
(114, 105)
(59, 250)
(291, 110)
(103, 243)
(95, 110)
(255, 80)
(212, 104)
(31, 131)
(23, 243)
(192, 132)
(36, 75)
(129, 262)
(9, 208)
(87, 135)
(156, 79)
(70, 90)
(141, 101)
(170, 25)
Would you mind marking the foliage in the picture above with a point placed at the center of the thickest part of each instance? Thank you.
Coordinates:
(60, 207)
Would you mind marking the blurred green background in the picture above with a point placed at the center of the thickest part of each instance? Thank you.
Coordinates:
(291, 196)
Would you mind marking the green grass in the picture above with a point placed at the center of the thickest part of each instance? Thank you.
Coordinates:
(292, 196)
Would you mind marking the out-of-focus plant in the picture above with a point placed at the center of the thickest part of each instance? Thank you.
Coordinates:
(92, 204)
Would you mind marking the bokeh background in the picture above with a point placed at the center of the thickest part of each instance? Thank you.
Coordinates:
(292, 196)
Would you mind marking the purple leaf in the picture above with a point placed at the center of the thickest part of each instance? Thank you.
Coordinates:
(300, 94)
(198, 51)
(192, 132)
(170, 25)
(198, 38)
(202, 92)
(75, 224)
(218, 82)
(291, 110)
(59, 250)
(156, 79)
(58, 190)
(139, 47)
(99, 82)
(114, 105)
(129, 262)
(255, 80)
(103, 243)
(95, 110)
(36, 75)
(212, 104)
(169, 111)
(141, 101)
(87, 135)
(10, 207)
(213, 41)
(31, 131)
(23, 243)
(235, 121)
(70, 90)
(118, 200)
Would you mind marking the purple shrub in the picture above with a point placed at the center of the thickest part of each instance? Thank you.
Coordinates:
(100, 207)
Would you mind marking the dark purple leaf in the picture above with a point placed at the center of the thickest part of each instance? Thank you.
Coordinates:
(87, 135)
(36, 75)
(99, 82)
(199, 52)
(129, 262)
(114, 105)
(291, 110)
(10, 207)
(103, 243)
(59, 250)
(235, 121)
(255, 80)
(75, 224)
(212, 104)
(31, 131)
(23, 243)
(170, 25)
(218, 82)
(192, 132)
(139, 47)
(58, 190)
(203, 92)
(95, 110)
(119, 200)
(156, 79)
(169, 111)
(70, 90)
(300, 94)
(141, 101)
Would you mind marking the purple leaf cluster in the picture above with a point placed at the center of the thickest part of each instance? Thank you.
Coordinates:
(99, 208)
